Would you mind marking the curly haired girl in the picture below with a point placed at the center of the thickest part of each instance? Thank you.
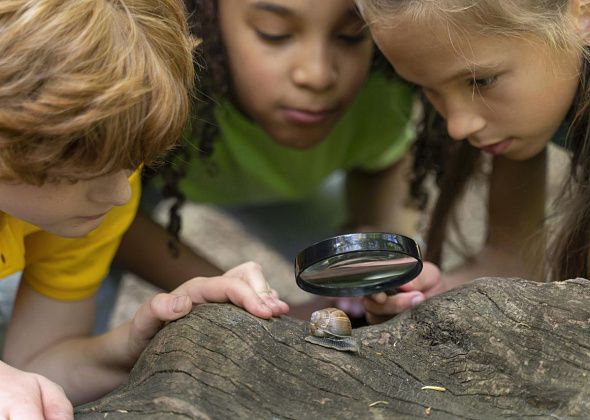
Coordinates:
(290, 93)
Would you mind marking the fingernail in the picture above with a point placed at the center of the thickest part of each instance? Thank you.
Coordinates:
(417, 300)
(179, 304)
(380, 297)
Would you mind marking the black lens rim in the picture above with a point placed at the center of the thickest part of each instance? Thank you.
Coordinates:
(352, 243)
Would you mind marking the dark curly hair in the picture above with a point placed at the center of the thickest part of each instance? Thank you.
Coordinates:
(212, 84)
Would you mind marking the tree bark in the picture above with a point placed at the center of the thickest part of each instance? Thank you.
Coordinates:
(494, 348)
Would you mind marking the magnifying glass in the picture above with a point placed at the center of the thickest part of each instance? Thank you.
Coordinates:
(358, 264)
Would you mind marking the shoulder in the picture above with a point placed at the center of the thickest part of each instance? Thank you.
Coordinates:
(383, 105)
(380, 123)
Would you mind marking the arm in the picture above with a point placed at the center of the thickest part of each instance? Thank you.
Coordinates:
(516, 209)
(380, 200)
(56, 334)
(52, 337)
(25, 395)
(144, 251)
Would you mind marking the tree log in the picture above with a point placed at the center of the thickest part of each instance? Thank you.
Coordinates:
(494, 348)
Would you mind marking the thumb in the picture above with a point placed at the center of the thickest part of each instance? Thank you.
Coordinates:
(153, 314)
(56, 405)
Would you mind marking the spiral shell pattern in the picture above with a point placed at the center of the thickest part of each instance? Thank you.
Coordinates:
(330, 322)
(331, 328)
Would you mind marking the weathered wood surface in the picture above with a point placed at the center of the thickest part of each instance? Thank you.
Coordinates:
(500, 347)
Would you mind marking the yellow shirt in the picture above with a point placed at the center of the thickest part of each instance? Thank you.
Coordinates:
(64, 268)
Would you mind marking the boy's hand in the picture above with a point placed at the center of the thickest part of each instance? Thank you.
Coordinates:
(244, 286)
(28, 396)
(381, 307)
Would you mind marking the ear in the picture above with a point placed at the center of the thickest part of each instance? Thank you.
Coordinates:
(581, 12)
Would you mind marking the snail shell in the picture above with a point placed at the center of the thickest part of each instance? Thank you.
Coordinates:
(331, 327)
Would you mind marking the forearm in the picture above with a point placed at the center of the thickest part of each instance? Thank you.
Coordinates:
(516, 214)
(515, 240)
(381, 200)
(516, 200)
(144, 251)
(489, 262)
(87, 368)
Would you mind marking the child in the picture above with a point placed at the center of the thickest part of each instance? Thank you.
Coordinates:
(509, 77)
(89, 91)
(287, 98)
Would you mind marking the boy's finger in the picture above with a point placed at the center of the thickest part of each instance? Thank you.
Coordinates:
(56, 405)
(224, 288)
(277, 306)
(255, 278)
(252, 273)
(243, 295)
(25, 412)
(163, 307)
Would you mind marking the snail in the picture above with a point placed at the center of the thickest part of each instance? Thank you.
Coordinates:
(330, 327)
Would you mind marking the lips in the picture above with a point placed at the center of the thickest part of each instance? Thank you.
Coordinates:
(96, 217)
(497, 148)
(307, 117)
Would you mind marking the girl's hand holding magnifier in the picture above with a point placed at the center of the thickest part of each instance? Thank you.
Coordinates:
(381, 306)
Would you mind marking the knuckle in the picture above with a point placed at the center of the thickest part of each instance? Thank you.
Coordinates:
(232, 279)
(253, 265)
(154, 302)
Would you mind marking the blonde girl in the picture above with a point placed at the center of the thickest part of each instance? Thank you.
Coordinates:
(508, 77)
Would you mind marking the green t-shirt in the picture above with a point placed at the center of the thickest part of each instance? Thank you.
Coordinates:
(251, 168)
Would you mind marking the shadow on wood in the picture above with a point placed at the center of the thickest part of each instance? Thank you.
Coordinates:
(495, 348)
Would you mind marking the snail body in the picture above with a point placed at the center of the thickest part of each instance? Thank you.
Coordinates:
(331, 327)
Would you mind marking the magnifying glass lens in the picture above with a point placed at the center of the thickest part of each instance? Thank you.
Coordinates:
(358, 264)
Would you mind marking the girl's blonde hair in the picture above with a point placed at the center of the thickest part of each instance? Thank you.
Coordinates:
(553, 23)
(88, 87)
(549, 19)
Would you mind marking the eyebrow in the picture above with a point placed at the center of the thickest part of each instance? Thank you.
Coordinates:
(272, 7)
(284, 11)
(472, 71)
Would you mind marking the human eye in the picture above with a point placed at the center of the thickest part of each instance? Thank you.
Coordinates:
(483, 82)
(272, 38)
(353, 33)
(355, 38)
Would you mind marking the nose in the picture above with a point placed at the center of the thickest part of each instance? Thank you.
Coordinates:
(461, 125)
(315, 68)
(460, 113)
(111, 190)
